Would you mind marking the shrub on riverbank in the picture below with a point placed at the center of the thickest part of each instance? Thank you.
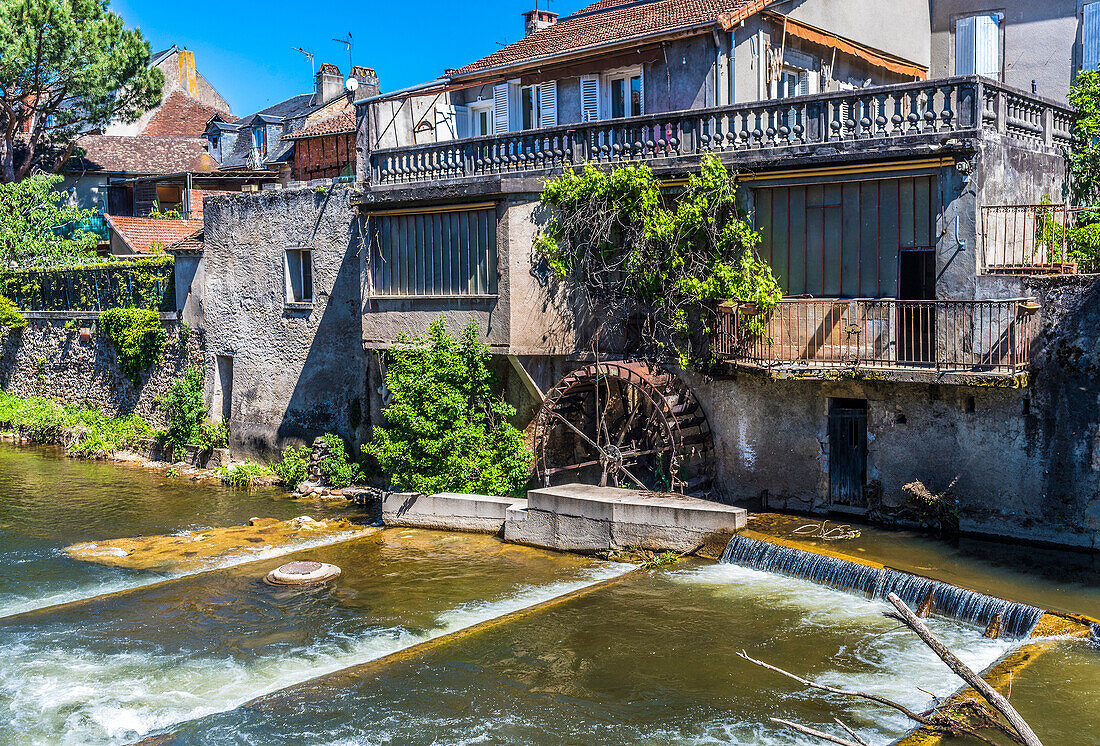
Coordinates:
(245, 475)
(84, 432)
(336, 470)
(293, 467)
(186, 411)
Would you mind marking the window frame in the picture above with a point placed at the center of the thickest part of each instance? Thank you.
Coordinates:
(999, 13)
(607, 84)
(476, 109)
(305, 271)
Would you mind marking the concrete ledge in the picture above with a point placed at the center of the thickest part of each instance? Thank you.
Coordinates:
(582, 518)
(447, 510)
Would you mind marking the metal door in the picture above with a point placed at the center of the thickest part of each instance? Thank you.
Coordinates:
(847, 452)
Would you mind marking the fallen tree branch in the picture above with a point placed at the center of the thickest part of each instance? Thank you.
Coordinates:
(980, 685)
(851, 732)
(805, 730)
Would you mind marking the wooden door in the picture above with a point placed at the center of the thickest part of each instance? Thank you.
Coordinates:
(847, 452)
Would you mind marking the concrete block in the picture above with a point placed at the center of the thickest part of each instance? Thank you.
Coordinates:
(479, 513)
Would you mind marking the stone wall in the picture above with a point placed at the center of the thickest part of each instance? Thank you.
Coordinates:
(46, 359)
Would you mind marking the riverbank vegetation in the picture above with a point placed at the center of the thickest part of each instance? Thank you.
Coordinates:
(82, 431)
(446, 430)
(186, 412)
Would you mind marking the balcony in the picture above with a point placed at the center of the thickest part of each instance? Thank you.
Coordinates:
(991, 337)
(1029, 239)
(902, 115)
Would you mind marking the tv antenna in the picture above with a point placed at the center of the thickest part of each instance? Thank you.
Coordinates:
(347, 43)
(309, 55)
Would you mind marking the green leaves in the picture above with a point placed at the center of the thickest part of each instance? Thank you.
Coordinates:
(36, 229)
(66, 67)
(138, 338)
(445, 430)
(670, 257)
(185, 407)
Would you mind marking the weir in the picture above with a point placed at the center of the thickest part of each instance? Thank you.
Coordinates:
(1009, 618)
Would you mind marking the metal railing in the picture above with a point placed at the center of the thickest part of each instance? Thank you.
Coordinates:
(954, 335)
(1028, 239)
(959, 106)
(145, 284)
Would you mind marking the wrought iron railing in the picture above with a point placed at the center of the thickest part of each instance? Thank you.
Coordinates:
(1029, 239)
(950, 106)
(95, 224)
(954, 335)
(144, 283)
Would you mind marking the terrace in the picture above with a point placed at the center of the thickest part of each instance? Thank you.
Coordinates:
(894, 117)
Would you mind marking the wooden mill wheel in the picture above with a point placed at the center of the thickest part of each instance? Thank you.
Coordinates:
(623, 424)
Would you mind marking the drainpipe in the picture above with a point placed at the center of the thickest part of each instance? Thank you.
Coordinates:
(717, 65)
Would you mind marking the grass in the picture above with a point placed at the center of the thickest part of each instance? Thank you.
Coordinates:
(87, 433)
(243, 476)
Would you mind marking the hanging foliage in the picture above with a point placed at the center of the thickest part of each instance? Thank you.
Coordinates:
(667, 260)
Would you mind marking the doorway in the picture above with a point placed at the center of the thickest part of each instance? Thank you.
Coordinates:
(223, 387)
(916, 321)
(847, 452)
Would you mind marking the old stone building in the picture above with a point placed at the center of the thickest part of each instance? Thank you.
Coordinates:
(915, 341)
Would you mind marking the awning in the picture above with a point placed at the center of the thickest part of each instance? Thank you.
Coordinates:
(804, 31)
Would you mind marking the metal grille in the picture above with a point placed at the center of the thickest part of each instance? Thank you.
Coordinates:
(1028, 239)
(435, 254)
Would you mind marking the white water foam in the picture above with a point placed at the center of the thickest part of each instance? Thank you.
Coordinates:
(59, 695)
(21, 605)
(893, 660)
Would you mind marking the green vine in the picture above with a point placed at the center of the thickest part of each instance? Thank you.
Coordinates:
(669, 259)
(10, 317)
(141, 283)
(138, 338)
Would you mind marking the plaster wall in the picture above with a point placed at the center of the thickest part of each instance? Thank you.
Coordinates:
(298, 370)
(1040, 41)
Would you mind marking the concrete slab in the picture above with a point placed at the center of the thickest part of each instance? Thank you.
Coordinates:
(588, 519)
(447, 510)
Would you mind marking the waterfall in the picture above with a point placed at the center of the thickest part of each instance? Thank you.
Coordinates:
(943, 599)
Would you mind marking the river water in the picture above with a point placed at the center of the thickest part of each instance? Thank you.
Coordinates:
(647, 659)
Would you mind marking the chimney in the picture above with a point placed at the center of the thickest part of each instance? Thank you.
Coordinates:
(368, 81)
(537, 20)
(330, 83)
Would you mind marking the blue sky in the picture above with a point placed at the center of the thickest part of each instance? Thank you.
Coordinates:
(243, 47)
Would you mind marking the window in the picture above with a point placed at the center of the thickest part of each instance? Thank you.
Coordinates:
(213, 142)
(626, 94)
(444, 253)
(590, 98)
(259, 140)
(978, 45)
(798, 76)
(299, 276)
(529, 105)
(539, 105)
(1090, 37)
(481, 119)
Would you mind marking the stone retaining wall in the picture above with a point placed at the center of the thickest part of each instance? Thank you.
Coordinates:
(46, 359)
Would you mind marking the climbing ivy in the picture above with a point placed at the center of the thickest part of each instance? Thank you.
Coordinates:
(635, 251)
(10, 318)
(446, 430)
(140, 283)
(138, 338)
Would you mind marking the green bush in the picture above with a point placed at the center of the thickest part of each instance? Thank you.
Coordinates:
(1084, 242)
(184, 406)
(242, 476)
(336, 469)
(445, 429)
(293, 467)
(86, 432)
(10, 316)
(138, 338)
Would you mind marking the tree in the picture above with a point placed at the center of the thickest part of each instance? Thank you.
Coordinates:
(1084, 238)
(36, 229)
(66, 67)
(445, 430)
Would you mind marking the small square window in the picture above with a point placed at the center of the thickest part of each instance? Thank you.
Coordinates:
(299, 276)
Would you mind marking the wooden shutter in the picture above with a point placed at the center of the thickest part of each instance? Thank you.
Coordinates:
(964, 45)
(500, 108)
(590, 98)
(987, 45)
(1090, 37)
(548, 104)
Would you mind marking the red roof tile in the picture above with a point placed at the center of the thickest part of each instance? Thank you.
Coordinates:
(608, 21)
(180, 114)
(337, 125)
(140, 234)
(141, 154)
(190, 244)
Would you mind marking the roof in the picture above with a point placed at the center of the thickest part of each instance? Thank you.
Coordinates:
(182, 115)
(140, 234)
(193, 243)
(291, 113)
(608, 21)
(159, 56)
(337, 125)
(141, 154)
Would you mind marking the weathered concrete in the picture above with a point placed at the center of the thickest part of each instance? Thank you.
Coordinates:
(297, 370)
(582, 518)
(46, 359)
(448, 510)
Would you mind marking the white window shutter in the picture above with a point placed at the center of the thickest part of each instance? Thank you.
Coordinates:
(964, 46)
(987, 45)
(803, 84)
(1090, 37)
(500, 108)
(548, 104)
(590, 98)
